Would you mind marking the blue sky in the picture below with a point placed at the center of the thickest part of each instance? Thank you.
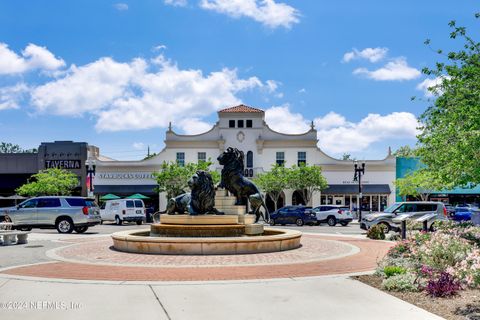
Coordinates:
(114, 73)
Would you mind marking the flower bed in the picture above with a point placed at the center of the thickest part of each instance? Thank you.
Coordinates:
(442, 264)
(448, 259)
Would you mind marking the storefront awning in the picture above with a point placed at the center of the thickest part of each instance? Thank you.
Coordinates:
(125, 189)
(353, 189)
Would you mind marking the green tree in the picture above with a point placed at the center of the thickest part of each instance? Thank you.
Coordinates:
(405, 152)
(173, 178)
(306, 179)
(6, 147)
(421, 183)
(149, 156)
(50, 182)
(450, 138)
(273, 182)
(347, 156)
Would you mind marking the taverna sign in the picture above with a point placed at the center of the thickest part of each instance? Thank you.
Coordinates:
(63, 164)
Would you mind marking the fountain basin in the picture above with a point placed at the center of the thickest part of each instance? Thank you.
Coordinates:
(204, 231)
(140, 241)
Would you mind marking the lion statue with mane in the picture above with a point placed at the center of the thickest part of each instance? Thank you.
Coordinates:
(242, 188)
(201, 200)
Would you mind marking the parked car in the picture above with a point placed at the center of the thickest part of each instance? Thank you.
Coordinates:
(130, 210)
(64, 213)
(450, 210)
(463, 212)
(413, 209)
(298, 215)
(333, 214)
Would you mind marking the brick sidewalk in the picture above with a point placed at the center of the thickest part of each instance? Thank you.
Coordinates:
(366, 260)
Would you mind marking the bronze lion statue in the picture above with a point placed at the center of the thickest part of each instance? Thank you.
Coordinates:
(234, 181)
(179, 204)
(201, 199)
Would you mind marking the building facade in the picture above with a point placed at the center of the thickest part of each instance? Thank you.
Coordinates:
(244, 127)
(17, 168)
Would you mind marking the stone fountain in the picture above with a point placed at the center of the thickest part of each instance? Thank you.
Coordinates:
(208, 221)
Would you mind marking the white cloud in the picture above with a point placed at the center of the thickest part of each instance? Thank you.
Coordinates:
(303, 90)
(121, 6)
(430, 83)
(159, 47)
(33, 57)
(337, 135)
(395, 70)
(176, 3)
(142, 94)
(88, 88)
(10, 97)
(267, 12)
(281, 119)
(355, 137)
(330, 120)
(194, 126)
(138, 146)
(370, 54)
(272, 85)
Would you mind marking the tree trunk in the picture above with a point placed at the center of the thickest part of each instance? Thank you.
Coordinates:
(275, 197)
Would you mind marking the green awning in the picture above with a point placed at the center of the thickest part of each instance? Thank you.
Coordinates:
(459, 190)
(138, 196)
(109, 196)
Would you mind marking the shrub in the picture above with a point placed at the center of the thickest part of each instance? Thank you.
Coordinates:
(400, 282)
(376, 233)
(390, 271)
(468, 270)
(444, 285)
(443, 251)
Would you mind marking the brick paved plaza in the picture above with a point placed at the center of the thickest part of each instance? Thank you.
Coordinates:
(95, 259)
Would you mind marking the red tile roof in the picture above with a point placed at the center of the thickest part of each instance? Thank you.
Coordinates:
(241, 108)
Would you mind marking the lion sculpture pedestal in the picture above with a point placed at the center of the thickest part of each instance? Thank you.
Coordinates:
(234, 223)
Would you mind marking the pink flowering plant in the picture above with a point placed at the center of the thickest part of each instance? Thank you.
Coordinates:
(438, 263)
(468, 270)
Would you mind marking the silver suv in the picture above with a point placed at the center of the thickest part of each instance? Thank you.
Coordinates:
(414, 209)
(61, 212)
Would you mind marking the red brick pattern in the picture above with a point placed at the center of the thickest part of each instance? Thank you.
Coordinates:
(366, 260)
(101, 252)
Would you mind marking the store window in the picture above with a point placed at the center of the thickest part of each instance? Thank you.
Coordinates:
(249, 159)
(240, 123)
(231, 123)
(302, 158)
(375, 203)
(280, 159)
(202, 157)
(181, 159)
(249, 123)
(383, 202)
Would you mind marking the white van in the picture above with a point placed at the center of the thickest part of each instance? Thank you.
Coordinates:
(123, 210)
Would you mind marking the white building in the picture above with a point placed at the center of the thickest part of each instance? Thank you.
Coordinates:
(244, 128)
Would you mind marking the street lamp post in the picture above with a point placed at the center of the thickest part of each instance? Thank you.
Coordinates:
(91, 166)
(359, 171)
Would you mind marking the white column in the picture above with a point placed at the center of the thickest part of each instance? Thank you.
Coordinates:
(351, 204)
(370, 203)
(288, 197)
(379, 204)
(162, 201)
(315, 201)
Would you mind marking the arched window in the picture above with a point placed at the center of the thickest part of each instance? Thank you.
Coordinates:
(249, 159)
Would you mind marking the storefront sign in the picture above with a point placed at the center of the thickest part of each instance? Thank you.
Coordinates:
(63, 164)
(125, 175)
(355, 182)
